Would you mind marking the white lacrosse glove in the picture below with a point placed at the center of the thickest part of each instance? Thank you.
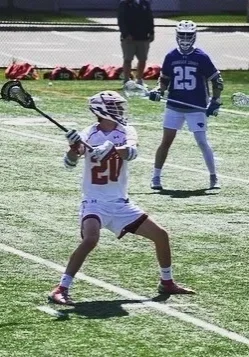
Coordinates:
(73, 137)
(102, 151)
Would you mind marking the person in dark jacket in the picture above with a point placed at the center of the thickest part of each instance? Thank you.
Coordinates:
(136, 24)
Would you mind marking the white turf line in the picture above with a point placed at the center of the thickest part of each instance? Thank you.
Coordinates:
(179, 167)
(50, 311)
(130, 295)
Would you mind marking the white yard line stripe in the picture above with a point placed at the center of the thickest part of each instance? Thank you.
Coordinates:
(179, 167)
(130, 295)
(50, 311)
(186, 168)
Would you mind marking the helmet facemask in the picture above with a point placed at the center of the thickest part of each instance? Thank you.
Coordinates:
(186, 35)
(185, 41)
(109, 105)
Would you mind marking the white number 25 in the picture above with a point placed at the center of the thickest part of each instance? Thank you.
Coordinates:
(185, 78)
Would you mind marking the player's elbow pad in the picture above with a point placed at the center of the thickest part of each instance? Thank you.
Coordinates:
(69, 164)
(218, 83)
(132, 153)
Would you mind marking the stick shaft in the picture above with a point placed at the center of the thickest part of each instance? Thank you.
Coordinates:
(179, 102)
(51, 119)
(189, 105)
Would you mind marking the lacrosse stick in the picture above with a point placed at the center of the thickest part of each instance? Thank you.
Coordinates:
(240, 99)
(14, 91)
(133, 89)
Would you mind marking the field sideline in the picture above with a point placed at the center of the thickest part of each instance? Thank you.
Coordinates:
(119, 312)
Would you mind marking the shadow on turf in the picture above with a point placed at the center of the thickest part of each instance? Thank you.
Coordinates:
(102, 309)
(185, 193)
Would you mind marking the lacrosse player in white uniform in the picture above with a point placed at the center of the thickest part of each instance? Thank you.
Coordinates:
(105, 202)
(186, 72)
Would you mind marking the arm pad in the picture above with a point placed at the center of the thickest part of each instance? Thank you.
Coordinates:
(217, 83)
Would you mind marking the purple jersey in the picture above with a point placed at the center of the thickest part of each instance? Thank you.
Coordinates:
(189, 76)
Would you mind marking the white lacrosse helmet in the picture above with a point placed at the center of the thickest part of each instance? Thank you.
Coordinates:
(109, 105)
(186, 34)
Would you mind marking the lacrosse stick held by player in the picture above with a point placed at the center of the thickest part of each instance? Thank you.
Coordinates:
(14, 91)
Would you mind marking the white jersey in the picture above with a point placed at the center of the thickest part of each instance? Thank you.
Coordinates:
(106, 180)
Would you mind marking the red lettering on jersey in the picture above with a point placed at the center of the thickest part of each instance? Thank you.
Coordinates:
(107, 170)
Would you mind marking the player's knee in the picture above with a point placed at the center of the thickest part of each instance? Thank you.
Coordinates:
(201, 139)
(202, 143)
(162, 235)
(90, 241)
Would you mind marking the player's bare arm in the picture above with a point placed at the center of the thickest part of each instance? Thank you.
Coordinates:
(127, 152)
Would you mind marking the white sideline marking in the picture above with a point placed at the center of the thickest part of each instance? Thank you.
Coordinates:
(130, 295)
(185, 168)
(50, 311)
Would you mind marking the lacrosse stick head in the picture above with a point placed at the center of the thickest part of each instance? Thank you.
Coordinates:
(14, 91)
(132, 89)
(240, 99)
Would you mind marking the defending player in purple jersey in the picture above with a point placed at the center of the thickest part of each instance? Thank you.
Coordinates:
(186, 72)
(190, 75)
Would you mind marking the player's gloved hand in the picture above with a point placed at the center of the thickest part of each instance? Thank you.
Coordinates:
(102, 151)
(73, 137)
(213, 107)
(155, 95)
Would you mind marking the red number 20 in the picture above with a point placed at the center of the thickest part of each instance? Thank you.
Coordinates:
(107, 170)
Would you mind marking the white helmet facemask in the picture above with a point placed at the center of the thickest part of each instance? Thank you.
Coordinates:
(109, 105)
(186, 35)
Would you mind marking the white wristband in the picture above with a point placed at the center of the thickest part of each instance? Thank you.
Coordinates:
(132, 153)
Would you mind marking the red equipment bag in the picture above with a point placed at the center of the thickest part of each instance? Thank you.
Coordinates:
(90, 71)
(114, 72)
(61, 73)
(21, 71)
(152, 72)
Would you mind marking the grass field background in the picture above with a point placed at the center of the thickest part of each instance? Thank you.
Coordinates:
(39, 202)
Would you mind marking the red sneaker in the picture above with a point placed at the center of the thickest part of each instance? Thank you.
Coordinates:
(172, 288)
(60, 296)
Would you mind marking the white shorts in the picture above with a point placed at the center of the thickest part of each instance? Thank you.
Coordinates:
(196, 121)
(118, 217)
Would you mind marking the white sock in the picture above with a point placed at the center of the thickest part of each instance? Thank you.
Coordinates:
(166, 273)
(157, 172)
(66, 281)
